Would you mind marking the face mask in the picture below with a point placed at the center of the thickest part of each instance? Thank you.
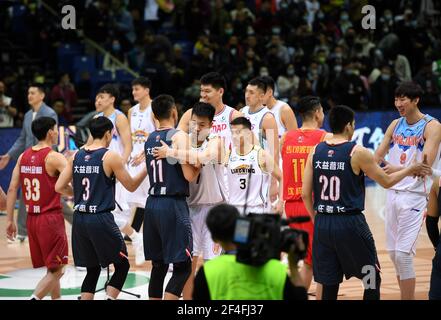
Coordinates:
(322, 60)
(116, 47)
(338, 68)
(356, 72)
(385, 77)
(233, 51)
(338, 55)
(388, 17)
(283, 5)
(276, 30)
(314, 72)
(264, 74)
(344, 17)
(349, 71)
(290, 72)
(320, 15)
(239, 86)
(228, 32)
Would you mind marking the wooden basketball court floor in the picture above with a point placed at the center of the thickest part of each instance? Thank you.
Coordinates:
(16, 267)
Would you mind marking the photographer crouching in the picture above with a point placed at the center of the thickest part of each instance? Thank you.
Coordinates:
(259, 275)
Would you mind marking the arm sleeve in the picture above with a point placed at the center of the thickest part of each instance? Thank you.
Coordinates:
(432, 230)
(200, 291)
(290, 292)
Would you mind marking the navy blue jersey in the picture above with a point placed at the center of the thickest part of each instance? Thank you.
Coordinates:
(337, 189)
(165, 175)
(94, 192)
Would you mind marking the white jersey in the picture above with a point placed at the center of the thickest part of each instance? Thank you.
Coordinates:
(120, 192)
(116, 143)
(408, 143)
(141, 125)
(209, 187)
(221, 125)
(244, 172)
(277, 112)
(256, 119)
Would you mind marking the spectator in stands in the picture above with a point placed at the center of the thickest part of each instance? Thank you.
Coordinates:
(288, 83)
(383, 89)
(429, 82)
(59, 106)
(7, 111)
(348, 89)
(117, 52)
(125, 105)
(65, 90)
(84, 86)
(219, 18)
(97, 21)
(121, 22)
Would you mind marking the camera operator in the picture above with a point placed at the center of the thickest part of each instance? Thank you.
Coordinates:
(223, 278)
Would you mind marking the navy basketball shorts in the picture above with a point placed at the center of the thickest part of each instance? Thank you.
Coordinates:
(342, 246)
(96, 240)
(167, 230)
(435, 276)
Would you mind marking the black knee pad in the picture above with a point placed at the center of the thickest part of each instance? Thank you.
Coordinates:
(181, 272)
(120, 274)
(91, 279)
(157, 276)
(330, 292)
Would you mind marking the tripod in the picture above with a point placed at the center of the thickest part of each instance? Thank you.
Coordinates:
(107, 283)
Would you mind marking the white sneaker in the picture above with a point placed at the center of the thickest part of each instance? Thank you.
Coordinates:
(138, 245)
(81, 269)
(18, 239)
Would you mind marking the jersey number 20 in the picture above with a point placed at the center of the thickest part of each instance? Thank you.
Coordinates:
(334, 188)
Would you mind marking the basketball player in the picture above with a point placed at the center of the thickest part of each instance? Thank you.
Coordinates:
(2, 200)
(208, 189)
(141, 123)
(433, 213)
(282, 112)
(167, 229)
(295, 147)
(413, 135)
(213, 87)
(334, 176)
(249, 168)
(96, 239)
(263, 125)
(121, 143)
(36, 173)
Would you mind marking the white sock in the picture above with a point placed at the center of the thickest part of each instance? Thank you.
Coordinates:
(110, 298)
(35, 297)
(134, 236)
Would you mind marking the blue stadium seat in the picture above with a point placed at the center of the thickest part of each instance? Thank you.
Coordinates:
(81, 64)
(123, 76)
(100, 78)
(66, 54)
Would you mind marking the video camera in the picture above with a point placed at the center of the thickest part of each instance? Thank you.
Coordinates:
(261, 237)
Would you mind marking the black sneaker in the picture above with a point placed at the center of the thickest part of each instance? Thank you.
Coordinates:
(127, 238)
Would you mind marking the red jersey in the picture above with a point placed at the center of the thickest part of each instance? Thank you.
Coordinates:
(37, 185)
(295, 150)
